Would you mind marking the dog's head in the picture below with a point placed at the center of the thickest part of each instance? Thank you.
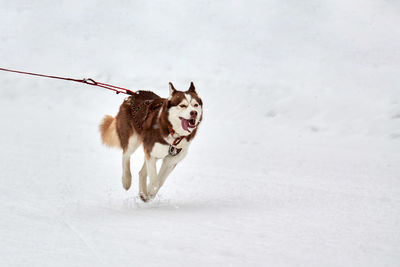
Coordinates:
(185, 109)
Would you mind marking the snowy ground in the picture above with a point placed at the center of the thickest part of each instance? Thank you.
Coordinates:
(296, 163)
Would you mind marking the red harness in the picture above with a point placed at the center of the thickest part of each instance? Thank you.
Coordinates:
(173, 150)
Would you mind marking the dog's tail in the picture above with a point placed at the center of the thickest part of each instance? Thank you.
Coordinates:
(108, 130)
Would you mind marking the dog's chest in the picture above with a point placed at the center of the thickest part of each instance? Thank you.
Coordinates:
(161, 151)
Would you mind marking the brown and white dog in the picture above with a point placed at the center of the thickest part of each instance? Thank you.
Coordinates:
(165, 128)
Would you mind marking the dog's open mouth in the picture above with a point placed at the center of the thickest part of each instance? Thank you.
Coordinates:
(186, 124)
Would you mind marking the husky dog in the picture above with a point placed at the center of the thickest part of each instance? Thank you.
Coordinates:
(165, 128)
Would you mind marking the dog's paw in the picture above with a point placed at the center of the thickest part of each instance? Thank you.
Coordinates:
(126, 181)
(144, 197)
(151, 196)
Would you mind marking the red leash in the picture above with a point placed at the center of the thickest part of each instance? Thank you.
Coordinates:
(89, 81)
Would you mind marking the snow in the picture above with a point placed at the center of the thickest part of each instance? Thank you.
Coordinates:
(295, 164)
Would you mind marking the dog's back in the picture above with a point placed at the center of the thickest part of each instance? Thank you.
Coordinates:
(116, 131)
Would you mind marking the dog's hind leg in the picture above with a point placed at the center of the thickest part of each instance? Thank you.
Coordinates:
(143, 182)
(134, 143)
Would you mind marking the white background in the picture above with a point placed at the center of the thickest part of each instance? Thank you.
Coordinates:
(295, 164)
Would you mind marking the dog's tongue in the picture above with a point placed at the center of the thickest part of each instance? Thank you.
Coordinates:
(185, 125)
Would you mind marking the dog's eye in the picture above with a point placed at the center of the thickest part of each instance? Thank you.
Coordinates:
(196, 105)
(183, 106)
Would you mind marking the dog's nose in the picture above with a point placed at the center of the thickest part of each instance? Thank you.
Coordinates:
(193, 113)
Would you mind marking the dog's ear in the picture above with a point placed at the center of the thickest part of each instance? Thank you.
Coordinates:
(171, 89)
(192, 88)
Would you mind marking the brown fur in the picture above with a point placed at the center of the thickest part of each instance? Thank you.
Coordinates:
(124, 125)
(143, 120)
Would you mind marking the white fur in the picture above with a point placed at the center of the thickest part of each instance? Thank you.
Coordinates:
(169, 163)
(143, 181)
(160, 151)
(176, 112)
(149, 168)
(188, 97)
(134, 143)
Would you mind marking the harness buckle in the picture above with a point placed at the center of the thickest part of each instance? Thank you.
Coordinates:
(173, 150)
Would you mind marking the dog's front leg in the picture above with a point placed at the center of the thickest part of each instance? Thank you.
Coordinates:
(151, 168)
(155, 185)
(143, 182)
